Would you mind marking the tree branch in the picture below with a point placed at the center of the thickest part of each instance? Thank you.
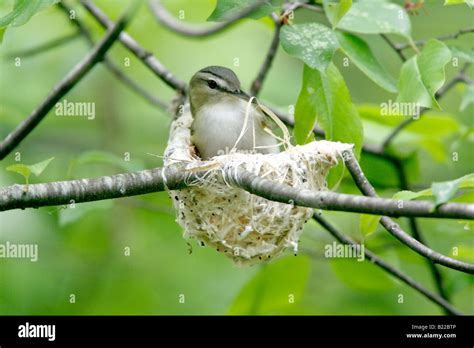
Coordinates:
(168, 21)
(85, 190)
(376, 260)
(416, 232)
(114, 69)
(267, 63)
(367, 189)
(401, 47)
(394, 47)
(44, 47)
(64, 86)
(315, 8)
(88, 190)
(146, 57)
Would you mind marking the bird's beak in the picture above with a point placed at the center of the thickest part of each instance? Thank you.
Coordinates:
(242, 94)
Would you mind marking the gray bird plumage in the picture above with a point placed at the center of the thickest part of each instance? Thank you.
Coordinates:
(225, 74)
(219, 106)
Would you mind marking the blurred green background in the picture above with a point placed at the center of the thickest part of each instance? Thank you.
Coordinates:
(82, 251)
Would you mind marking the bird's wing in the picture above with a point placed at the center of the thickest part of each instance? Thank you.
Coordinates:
(267, 114)
(269, 126)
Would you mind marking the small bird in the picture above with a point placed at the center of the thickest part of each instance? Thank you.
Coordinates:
(219, 109)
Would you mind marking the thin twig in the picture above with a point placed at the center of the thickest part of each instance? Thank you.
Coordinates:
(64, 86)
(168, 21)
(368, 190)
(417, 234)
(267, 63)
(376, 260)
(394, 47)
(28, 53)
(401, 126)
(310, 7)
(114, 69)
(146, 57)
(400, 47)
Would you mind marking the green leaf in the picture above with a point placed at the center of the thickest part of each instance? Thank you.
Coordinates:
(74, 213)
(368, 223)
(429, 133)
(359, 52)
(444, 191)
(21, 169)
(23, 10)
(466, 197)
(469, 3)
(335, 10)
(463, 53)
(313, 43)
(465, 252)
(273, 288)
(432, 124)
(38, 168)
(468, 97)
(422, 75)
(409, 195)
(26, 170)
(102, 157)
(435, 147)
(325, 98)
(367, 17)
(363, 276)
(225, 9)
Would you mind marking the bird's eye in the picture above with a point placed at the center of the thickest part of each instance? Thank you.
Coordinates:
(212, 84)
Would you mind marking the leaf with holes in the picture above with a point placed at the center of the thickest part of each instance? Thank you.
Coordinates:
(365, 17)
(313, 43)
(226, 9)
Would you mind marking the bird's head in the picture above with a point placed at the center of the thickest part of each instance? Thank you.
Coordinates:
(212, 85)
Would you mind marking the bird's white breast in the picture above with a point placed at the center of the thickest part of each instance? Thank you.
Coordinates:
(216, 128)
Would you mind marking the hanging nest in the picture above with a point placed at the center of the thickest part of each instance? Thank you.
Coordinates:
(243, 226)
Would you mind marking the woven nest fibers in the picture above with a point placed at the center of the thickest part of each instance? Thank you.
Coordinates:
(245, 227)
